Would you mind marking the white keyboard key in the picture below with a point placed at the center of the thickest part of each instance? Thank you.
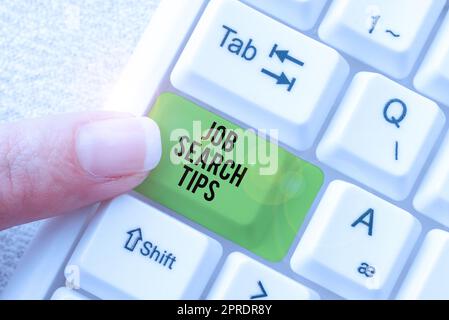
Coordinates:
(432, 198)
(433, 76)
(300, 14)
(356, 244)
(381, 134)
(134, 251)
(428, 277)
(243, 278)
(260, 72)
(67, 294)
(388, 35)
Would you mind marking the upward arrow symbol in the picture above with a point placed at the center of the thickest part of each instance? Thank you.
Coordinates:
(134, 237)
(280, 79)
(284, 55)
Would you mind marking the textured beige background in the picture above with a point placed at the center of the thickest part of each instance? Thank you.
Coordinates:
(60, 56)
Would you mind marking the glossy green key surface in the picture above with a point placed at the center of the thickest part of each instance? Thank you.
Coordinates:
(229, 180)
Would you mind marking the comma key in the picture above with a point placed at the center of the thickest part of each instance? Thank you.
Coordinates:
(381, 134)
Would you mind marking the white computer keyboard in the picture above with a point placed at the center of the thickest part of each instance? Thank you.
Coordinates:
(357, 204)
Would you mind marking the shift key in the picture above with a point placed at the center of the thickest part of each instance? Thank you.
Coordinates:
(230, 180)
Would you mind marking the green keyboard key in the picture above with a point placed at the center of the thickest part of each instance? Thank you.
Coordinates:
(228, 179)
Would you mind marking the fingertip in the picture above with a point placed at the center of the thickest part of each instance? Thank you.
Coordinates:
(118, 147)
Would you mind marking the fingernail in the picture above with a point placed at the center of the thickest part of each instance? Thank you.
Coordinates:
(118, 147)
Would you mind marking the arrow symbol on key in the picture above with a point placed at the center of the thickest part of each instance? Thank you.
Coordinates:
(280, 79)
(134, 237)
(284, 55)
(263, 293)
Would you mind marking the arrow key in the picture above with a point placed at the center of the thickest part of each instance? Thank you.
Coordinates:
(243, 278)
